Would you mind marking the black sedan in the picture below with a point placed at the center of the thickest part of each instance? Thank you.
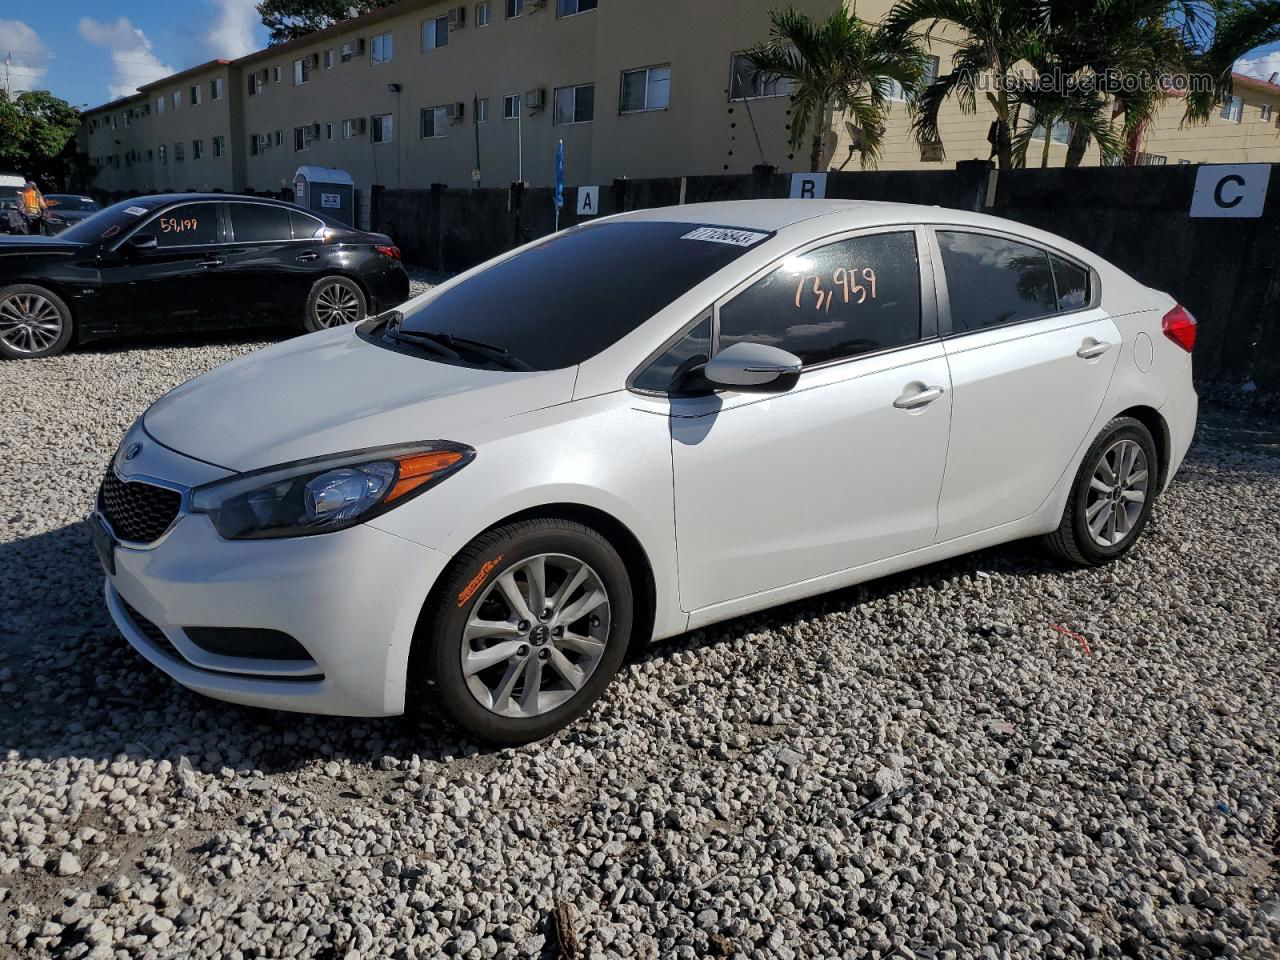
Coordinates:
(179, 262)
(64, 209)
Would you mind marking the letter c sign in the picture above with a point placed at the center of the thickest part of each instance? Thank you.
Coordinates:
(1230, 190)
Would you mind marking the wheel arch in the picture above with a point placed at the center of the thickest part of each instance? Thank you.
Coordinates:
(56, 287)
(1151, 418)
(620, 537)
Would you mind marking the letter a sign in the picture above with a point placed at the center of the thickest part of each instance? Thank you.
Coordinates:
(808, 186)
(588, 201)
(1230, 189)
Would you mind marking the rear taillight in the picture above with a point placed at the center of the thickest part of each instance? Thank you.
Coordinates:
(389, 250)
(1180, 327)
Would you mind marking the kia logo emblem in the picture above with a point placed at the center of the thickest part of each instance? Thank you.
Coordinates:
(132, 450)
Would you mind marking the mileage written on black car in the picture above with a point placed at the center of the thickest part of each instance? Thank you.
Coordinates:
(177, 262)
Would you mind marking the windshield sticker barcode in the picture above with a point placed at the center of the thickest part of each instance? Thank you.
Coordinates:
(739, 238)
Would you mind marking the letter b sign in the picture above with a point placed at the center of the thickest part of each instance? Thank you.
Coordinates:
(808, 186)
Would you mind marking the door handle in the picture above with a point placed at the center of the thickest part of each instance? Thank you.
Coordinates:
(308, 256)
(1092, 349)
(913, 399)
(212, 262)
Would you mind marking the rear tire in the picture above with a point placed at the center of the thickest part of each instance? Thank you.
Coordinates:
(34, 322)
(1111, 498)
(334, 302)
(571, 648)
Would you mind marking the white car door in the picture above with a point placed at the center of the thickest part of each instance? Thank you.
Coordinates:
(773, 489)
(1031, 356)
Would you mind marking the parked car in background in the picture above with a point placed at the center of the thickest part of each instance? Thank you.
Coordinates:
(11, 188)
(633, 428)
(173, 262)
(64, 209)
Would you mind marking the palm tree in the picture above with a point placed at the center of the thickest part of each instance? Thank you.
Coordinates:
(1240, 26)
(999, 34)
(839, 64)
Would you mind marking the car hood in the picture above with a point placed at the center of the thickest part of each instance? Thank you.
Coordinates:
(331, 392)
(10, 244)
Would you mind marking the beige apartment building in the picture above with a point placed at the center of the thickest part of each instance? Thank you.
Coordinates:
(425, 91)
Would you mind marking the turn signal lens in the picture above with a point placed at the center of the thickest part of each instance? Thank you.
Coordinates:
(419, 469)
(1180, 327)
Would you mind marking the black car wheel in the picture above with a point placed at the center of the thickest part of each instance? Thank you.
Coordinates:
(34, 322)
(334, 302)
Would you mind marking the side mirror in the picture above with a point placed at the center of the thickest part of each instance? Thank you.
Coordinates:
(142, 241)
(753, 367)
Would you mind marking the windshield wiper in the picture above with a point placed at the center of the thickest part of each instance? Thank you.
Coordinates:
(451, 342)
(432, 343)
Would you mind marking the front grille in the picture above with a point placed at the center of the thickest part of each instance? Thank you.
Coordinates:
(138, 512)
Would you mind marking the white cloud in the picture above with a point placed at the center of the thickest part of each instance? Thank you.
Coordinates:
(232, 32)
(1261, 66)
(130, 49)
(30, 56)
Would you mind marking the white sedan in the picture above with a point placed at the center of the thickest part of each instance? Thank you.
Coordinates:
(628, 430)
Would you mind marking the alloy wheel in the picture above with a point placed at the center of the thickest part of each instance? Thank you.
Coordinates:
(29, 323)
(535, 635)
(1117, 492)
(336, 305)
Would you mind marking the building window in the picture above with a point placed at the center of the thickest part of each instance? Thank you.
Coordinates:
(382, 128)
(434, 121)
(381, 51)
(567, 8)
(352, 48)
(279, 137)
(215, 88)
(575, 104)
(178, 153)
(195, 95)
(177, 99)
(328, 131)
(435, 33)
(164, 153)
(219, 144)
(301, 71)
(328, 59)
(514, 8)
(511, 106)
(275, 74)
(646, 89)
(197, 149)
(930, 74)
(1265, 111)
(299, 139)
(1233, 109)
(482, 110)
(255, 83)
(350, 128)
(748, 83)
(1061, 131)
(482, 14)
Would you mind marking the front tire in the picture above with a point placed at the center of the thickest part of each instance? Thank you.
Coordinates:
(334, 302)
(34, 322)
(530, 625)
(1112, 497)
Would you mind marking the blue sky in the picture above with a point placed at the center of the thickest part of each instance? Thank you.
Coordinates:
(89, 52)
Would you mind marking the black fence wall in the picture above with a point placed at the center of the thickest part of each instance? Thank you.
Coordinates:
(1224, 270)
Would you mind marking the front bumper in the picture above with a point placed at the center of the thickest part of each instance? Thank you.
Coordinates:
(350, 598)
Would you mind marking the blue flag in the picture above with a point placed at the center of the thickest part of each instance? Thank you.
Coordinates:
(559, 199)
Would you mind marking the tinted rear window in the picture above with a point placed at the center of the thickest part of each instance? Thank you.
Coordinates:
(993, 280)
(581, 291)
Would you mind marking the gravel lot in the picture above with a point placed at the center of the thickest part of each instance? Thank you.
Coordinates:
(1029, 796)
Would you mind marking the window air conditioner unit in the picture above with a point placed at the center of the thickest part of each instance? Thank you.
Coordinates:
(535, 99)
(455, 111)
(457, 18)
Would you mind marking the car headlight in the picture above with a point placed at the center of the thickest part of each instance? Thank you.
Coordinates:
(323, 494)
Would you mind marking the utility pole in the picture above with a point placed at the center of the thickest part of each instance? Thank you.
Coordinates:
(8, 59)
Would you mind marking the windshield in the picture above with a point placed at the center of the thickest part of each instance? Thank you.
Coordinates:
(565, 300)
(107, 222)
(71, 203)
(9, 196)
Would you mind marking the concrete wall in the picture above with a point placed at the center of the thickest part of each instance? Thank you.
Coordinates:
(1226, 271)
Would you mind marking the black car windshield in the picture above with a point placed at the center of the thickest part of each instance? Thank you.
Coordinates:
(568, 298)
(107, 222)
(9, 196)
(71, 203)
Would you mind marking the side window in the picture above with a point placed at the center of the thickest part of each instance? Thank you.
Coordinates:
(847, 298)
(304, 227)
(1073, 283)
(689, 352)
(194, 223)
(256, 221)
(992, 280)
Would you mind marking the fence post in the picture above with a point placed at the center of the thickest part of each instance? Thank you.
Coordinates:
(978, 190)
(436, 237)
(621, 195)
(375, 207)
